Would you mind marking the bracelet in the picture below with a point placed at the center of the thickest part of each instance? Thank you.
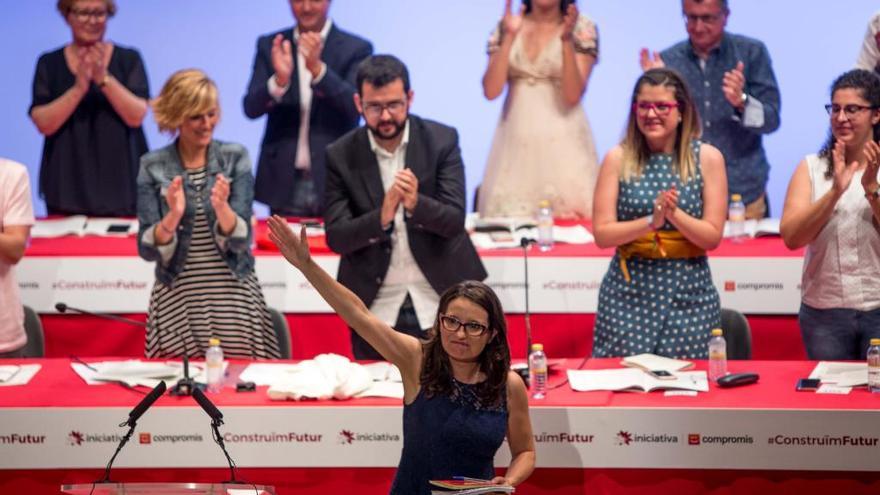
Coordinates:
(104, 81)
(650, 219)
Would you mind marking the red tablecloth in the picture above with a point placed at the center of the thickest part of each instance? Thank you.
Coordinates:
(57, 386)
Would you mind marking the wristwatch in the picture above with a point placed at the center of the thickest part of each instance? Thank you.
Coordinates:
(872, 196)
(744, 98)
(104, 81)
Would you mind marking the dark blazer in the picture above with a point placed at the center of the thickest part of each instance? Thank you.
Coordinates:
(332, 114)
(437, 238)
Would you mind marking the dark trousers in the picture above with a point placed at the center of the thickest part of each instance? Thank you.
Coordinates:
(303, 199)
(407, 323)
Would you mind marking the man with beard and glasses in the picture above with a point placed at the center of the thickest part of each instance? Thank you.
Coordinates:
(395, 206)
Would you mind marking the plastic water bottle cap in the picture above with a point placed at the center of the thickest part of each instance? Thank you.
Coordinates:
(736, 197)
(716, 332)
(875, 341)
(214, 341)
(544, 203)
(537, 347)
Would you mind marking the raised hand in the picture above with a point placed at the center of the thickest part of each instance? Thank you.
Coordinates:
(294, 249)
(843, 173)
(872, 157)
(407, 185)
(569, 21)
(669, 201)
(310, 47)
(510, 22)
(220, 193)
(650, 60)
(658, 217)
(85, 67)
(733, 86)
(282, 60)
(175, 197)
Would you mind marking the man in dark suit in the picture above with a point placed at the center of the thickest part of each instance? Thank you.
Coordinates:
(396, 204)
(303, 78)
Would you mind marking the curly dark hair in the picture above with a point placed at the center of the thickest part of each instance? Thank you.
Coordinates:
(563, 5)
(494, 361)
(868, 84)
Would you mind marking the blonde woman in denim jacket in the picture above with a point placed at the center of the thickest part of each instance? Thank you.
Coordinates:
(194, 206)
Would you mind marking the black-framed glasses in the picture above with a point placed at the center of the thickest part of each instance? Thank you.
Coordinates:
(707, 19)
(373, 109)
(849, 110)
(659, 107)
(85, 15)
(451, 324)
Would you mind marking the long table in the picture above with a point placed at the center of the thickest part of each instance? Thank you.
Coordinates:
(755, 439)
(759, 277)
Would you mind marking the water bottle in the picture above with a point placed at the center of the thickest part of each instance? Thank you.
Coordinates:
(538, 371)
(736, 215)
(214, 366)
(717, 355)
(545, 225)
(874, 366)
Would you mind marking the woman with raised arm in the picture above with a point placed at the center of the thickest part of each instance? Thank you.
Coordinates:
(195, 198)
(833, 207)
(661, 200)
(460, 397)
(89, 100)
(543, 147)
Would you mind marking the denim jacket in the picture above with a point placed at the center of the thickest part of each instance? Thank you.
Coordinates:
(158, 169)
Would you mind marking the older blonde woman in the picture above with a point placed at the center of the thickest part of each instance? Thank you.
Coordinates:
(194, 205)
(89, 99)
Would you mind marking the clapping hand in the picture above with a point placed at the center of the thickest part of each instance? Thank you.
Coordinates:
(733, 86)
(85, 67)
(650, 60)
(220, 194)
(98, 55)
(665, 206)
(175, 197)
(295, 249)
(282, 60)
(843, 173)
(310, 47)
(872, 157)
(510, 22)
(407, 185)
(569, 22)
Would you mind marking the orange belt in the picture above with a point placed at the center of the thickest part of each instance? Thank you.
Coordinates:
(669, 244)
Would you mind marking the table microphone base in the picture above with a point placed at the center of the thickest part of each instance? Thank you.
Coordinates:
(185, 387)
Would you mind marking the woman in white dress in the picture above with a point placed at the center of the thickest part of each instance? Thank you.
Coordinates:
(543, 147)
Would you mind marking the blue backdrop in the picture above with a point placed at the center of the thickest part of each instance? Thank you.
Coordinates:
(443, 43)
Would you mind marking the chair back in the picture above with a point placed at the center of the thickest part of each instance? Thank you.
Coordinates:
(282, 332)
(737, 333)
(33, 328)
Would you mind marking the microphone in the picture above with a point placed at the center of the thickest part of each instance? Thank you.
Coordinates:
(63, 308)
(207, 405)
(524, 243)
(145, 404)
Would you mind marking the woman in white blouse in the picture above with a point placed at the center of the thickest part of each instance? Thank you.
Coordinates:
(833, 207)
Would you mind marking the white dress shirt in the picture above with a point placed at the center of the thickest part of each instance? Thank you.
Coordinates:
(842, 264)
(303, 153)
(404, 275)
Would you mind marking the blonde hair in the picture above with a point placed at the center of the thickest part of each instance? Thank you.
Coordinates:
(635, 146)
(187, 92)
(64, 7)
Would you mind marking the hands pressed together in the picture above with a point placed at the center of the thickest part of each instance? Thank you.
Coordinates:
(309, 45)
(91, 64)
(665, 207)
(404, 190)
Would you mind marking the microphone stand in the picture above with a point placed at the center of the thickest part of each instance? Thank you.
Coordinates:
(524, 372)
(184, 386)
(218, 439)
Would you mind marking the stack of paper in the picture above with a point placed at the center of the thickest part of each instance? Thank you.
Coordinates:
(841, 374)
(11, 375)
(468, 486)
(635, 380)
(80, 225)
(764, 227)
(137, 373)
(653, 362)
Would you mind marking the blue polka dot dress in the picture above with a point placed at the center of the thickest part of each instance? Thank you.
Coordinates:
(670, 306)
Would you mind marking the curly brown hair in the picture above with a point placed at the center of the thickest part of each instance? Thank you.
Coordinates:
(64, 7)
(436, 377)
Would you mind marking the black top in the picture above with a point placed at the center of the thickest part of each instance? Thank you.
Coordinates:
(90, 164)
